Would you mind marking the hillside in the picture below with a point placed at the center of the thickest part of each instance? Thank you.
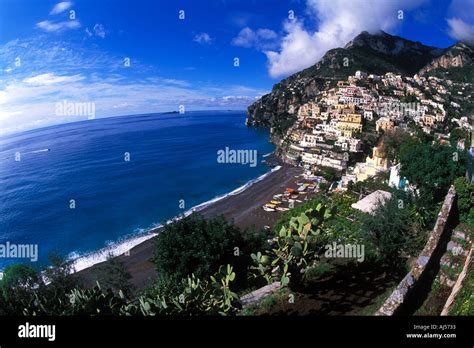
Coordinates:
(455, 64)
(375, 54)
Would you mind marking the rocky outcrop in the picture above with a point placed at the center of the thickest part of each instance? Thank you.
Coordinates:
(456, 56)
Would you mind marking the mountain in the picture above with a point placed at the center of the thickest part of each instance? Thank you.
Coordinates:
(456, 63)
(372, 53)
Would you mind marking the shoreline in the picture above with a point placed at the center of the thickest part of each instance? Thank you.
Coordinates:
(242, 206)
(130, 241)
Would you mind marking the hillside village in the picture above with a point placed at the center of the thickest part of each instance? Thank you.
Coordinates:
(341, 128)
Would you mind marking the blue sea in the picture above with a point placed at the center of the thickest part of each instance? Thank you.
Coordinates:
(172, 160)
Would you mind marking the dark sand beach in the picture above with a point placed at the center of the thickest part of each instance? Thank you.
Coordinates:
(244, 209)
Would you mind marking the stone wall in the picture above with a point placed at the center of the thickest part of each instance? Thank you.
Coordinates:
(258, 294)
(410, 290)
(458, 285)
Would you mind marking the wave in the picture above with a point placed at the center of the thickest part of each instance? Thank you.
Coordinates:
(24, 153)
(37, 151)
(268, 154)
(83, 261)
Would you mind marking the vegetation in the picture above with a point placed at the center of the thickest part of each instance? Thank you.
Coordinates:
(193, 245)
(431, 168)
(195, 296)
(113, 275)
(392, 232)
(464, 303)
(465, 193)
(16, 282)
(392, 142)
(190, 252)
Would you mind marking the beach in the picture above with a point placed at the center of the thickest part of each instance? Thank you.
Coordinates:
(243, 208)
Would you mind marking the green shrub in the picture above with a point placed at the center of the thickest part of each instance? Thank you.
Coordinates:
(320, 270)
(465, 194)
(197, 246)
(16, 282)
(391, 231)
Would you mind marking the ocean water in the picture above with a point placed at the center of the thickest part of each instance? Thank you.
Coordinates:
(173, 158)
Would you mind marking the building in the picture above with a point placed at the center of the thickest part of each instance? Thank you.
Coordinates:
(371, 202)
(395, 180)
(349, 124)
(310, 140)
(368, 115)
(327, 159)
(384, 124)
(310, 110)
(372, 166)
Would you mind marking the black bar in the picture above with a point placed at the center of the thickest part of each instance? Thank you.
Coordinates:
(288, 330)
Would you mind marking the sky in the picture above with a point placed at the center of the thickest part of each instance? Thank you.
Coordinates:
(144, 56)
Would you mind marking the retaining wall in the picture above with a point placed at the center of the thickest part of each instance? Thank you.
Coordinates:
(412, 289)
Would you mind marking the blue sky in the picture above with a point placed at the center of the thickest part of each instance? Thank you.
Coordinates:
(49, 54)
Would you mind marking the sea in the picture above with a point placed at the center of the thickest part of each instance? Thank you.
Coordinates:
(88, 189)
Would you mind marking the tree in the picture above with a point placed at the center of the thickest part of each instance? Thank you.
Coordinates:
(431, 168)
(392, 141)
(193, 245)
(389, 230)
(114, 276)
(329, 173)
(16, 285)
(459, 133)
(59, 277)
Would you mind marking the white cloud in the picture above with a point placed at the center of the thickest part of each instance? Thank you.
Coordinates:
(60, 7)
(202, 38)
(50, 78)
(60, 70)
(262, 39)
(460, 30)
(339, 21)
(58, 26)
(99, 30)
(30, 103)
